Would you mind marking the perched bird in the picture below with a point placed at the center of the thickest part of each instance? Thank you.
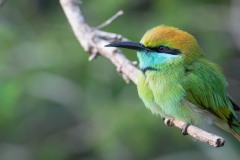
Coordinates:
(177, 80)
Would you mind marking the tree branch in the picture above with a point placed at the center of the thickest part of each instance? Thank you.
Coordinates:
(93, 41)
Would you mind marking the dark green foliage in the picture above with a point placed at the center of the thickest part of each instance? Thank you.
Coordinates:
(54, 104)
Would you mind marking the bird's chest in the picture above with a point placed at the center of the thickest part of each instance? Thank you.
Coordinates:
(162, 89)
(166, 86)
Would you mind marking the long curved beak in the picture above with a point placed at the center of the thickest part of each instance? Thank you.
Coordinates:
(128, 45)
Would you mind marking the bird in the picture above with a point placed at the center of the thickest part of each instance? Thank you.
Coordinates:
(178, 81)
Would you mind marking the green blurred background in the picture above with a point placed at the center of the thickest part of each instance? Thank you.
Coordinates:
(55, 105)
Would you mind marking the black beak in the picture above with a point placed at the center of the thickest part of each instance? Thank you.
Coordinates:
(128, 45)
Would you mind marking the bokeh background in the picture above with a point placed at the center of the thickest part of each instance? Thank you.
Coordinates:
(55, 105)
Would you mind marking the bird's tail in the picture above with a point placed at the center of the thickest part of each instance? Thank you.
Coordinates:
(235, 131)
(234, 128)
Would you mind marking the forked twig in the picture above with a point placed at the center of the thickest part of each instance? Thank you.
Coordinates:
(110, 20)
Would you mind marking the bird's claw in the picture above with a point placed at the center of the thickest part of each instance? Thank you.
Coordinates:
(184, 129)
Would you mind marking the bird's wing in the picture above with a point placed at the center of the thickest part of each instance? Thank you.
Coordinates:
(206, 88)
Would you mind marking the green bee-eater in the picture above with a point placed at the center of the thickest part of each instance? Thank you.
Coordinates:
(177, 80)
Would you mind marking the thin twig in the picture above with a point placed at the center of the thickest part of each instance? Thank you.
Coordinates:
(110, 20)
(93, 41)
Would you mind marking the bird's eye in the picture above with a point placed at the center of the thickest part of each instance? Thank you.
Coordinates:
(161, 48)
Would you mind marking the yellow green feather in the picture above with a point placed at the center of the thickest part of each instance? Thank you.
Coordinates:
(186, 86)
(178, 81)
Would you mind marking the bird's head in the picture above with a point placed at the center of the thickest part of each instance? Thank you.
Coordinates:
(163, 45)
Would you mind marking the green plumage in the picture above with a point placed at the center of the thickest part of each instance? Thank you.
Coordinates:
(176, 87)
(177, 80)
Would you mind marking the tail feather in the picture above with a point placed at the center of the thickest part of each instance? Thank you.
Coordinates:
(235, 131)
(235, 106)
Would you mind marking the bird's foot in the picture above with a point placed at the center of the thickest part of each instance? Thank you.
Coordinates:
(184, 129)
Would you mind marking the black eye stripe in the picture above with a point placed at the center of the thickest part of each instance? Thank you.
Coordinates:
(165, 49)
(162, 48)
